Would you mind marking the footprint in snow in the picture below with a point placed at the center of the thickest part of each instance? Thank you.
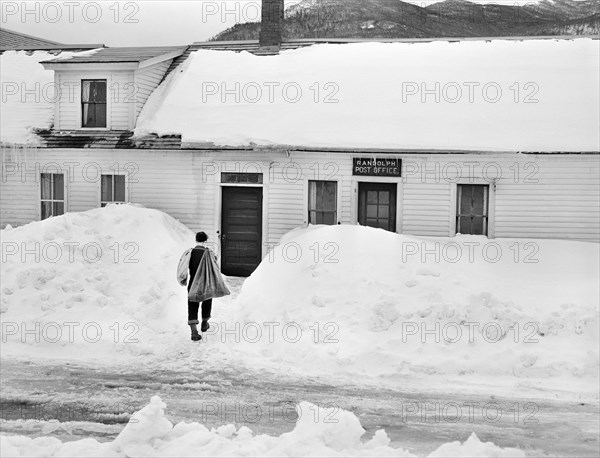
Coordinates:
(428, 272)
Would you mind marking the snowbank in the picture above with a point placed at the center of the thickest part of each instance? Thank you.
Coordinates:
(366, 302)
(28, 94)
(343, 301)
(533, 95)
(149, 433)
(109, 272)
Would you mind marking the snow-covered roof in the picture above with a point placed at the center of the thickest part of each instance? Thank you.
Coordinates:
(530, 95)
(124, 55)
(17, 40)
(11, 40)
(28, 94)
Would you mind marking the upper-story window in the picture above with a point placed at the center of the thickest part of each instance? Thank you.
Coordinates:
(93, 103)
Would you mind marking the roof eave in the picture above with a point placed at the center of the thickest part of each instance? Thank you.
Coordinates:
(163, 57)
(58, 47)
(90, 66)
(71, 64)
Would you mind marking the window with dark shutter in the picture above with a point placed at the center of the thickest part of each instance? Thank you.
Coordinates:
(472, 209)
(322, 202)
(93, 103)
(52, 194)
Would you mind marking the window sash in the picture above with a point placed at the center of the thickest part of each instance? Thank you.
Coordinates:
(52, 195)
(93, 103)
(470, 220)
(322, 202)
(113, 189)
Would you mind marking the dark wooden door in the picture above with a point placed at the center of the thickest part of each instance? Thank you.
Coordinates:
(377, 205)
(241, 230)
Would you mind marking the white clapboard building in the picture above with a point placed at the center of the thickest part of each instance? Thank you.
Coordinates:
(249, 140)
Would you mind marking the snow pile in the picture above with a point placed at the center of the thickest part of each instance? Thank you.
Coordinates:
(473, 447)
(149, 433)
(97, 284)
(535, 95)
(28, 94)
(344, 301)
(366, 302)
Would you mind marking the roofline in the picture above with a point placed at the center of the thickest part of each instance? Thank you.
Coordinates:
(353, 150)
(398, 40)
(90, 66)
(49, 47)
(190, 147)
(30, 36)
(139, 64)
(162, 57)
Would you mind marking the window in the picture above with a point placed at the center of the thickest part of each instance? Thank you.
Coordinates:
(237, 178)
(112, 189)
(52, 194)
(322, 202)
(472, 211)
(93, 103)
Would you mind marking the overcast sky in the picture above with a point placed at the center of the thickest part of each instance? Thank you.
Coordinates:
(139, 23)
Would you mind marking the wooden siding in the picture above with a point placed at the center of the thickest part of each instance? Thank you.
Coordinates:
(128, 91)
(560, 200)
(170, 189)
(146, 80)
(565, 203)
(536, 196)
(121, 100)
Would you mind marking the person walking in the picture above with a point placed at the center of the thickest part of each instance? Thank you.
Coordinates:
(206, 283)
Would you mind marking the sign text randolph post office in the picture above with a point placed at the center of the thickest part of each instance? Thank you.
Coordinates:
(377, 167)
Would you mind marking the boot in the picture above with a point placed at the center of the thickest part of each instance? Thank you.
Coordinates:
(195, 336)
(205, 326)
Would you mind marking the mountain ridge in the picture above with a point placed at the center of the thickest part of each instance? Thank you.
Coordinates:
(449, 18)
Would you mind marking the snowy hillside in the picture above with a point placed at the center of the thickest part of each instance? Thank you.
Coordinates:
(427, 18)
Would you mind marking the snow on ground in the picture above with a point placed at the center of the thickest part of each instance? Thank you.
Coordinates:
(28, 94)
(109, 271)
(343, 301)
(388, 304)
(149, 433)
(351, 299)
(534, 95)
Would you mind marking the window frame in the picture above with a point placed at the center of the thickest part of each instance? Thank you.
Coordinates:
(486, 215)
(106, 104)
(52, 200)
(104, 203)
(336, 200)
(393, 204)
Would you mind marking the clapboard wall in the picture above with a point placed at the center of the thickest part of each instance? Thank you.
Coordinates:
(128, 91)
(146, 80)
(532, 196)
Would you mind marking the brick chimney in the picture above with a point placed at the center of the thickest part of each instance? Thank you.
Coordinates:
(271, 25)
